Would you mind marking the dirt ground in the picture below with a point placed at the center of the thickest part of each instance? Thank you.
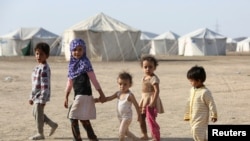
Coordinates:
(228, 77)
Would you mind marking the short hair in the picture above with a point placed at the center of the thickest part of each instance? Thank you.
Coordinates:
(149, 58)
(125, 76)
(44, 47)
(197, 73)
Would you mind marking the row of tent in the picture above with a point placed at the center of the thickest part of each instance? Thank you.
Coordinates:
(23, 40)
(108, 39)
(200, 42)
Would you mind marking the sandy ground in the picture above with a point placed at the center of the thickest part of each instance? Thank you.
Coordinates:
(228, 77)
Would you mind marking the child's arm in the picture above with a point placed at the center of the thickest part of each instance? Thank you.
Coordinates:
(133, 100)
(155, 95)
(68, 89)
(209, 100)
(187, 109)
(109, 98)
(97, 86)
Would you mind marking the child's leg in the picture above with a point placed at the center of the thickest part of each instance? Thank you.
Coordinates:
(38, 113)
(199, 132)
(88, 128)
(123, 130)
(154, 127)
(52, 124)
(143, 126)
(75, 130)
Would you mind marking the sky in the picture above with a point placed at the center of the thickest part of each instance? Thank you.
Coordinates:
(230, 18)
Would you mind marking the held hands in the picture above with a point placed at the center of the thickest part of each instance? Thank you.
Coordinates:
(100, 99)
(97, 100)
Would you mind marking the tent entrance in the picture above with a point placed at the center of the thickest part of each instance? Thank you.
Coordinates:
(26, 49)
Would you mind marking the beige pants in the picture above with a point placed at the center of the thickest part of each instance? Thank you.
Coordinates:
(41, 118)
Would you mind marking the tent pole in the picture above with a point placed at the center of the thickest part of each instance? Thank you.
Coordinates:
(133, 45)
(204, 48)
(216, 47)
(119, 45)
(105, 50)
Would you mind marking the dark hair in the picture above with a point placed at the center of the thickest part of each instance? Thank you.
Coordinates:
(197, 73)
(44, 47)
(149, 58)
(125, 76)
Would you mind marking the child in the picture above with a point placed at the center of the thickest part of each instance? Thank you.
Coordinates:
(199, 105)
(125, 98)
(150, 102)
(41, 91)
(83, 106)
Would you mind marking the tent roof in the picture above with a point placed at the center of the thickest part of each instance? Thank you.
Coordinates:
(245, 40)
(28, 33)
(101, 22)
(147, 35)
(231, 40)
(167, 35)
(204, 33)
(240, 39)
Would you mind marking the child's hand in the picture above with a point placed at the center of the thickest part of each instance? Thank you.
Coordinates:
(66, 103)
(214, 119)
(139, 118)
(102, 99)
(30, 102)
(151, 105)
(97, 100)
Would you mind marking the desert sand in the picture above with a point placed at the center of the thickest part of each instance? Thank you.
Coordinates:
(228, 78)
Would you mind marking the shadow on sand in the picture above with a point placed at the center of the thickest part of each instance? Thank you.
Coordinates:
(116, 139)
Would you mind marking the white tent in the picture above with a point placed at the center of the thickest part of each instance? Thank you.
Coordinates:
(243, 46)
(164, 44)
(107, 39)
(146, 37)
(231, 45)
(23, 40)
(202, 42)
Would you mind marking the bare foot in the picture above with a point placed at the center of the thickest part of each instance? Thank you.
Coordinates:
(144, 138)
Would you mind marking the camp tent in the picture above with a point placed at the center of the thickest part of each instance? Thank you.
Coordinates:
(146, 37)
(164, 44)
(23, 40)
(243, 46)
(231, 45)
(202, 42)
(107, 39)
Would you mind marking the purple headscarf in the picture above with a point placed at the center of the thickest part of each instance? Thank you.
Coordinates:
(81, 65)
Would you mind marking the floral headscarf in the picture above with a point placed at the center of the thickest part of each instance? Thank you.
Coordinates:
(78, 66)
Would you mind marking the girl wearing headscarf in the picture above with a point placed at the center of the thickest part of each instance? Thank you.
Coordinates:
(80, 74)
